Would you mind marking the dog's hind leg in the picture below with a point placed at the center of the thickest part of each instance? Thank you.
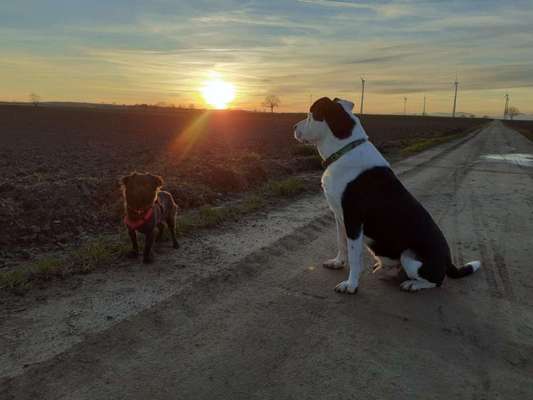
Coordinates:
(171, 222)
(134, 252)
(148, 243)
(160, 230)
(411, 266)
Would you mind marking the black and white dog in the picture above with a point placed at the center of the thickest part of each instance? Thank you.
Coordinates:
(369, 200)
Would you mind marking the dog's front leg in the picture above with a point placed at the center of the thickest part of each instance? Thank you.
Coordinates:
(134, 245)
(355, 255)
(340, 260)
(148, 243)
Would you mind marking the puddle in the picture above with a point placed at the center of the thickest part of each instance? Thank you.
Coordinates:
(524, 160)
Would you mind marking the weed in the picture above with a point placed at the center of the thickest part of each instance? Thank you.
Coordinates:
(304, 150)
(88, 257)
(286, 187)
(419, 144)
(252, 203)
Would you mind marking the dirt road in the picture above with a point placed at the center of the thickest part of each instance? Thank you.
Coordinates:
(249, 313)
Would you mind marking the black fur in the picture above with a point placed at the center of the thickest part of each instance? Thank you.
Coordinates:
(338, 120)
(395, 221)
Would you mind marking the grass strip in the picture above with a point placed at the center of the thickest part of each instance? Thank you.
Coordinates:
(105, 250)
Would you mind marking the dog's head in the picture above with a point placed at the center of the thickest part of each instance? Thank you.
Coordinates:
(326, 117)
(140, 192)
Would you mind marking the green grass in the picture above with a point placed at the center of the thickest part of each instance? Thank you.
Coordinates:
(106, 250)
(286, 187)
(419, 144)
(210, 216)
(93, 254)
(304, 150)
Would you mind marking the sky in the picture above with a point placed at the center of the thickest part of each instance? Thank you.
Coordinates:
(132, 51)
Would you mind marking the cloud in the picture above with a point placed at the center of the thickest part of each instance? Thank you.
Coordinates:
(390, 10)
(163, 50)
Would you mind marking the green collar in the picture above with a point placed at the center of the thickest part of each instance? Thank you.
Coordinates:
(339, 153)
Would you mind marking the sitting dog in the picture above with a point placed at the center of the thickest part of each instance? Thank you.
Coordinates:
(147, 210)
(369, 200)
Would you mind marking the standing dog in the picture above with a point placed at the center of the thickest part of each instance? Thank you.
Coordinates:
(368, 199)
(147, 210)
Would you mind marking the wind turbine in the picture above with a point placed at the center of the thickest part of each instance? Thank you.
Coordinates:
(362, 94)
(506, 109)
(456, 83)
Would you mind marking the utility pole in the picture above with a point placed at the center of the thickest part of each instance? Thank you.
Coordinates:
(424, 109)
(362, 94)
(405, 106)
(455, 96)
(506, 109)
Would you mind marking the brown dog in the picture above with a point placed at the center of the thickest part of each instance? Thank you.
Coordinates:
(147, 210)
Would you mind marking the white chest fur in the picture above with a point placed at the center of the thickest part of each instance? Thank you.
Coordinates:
(346, 169)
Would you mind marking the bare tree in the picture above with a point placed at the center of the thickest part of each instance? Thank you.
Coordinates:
(513, 112)
(35, 99)
(271, 101)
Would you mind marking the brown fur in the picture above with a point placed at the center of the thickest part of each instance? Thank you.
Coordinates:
(140, 192)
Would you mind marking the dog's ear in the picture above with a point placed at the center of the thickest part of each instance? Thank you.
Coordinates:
(157, 180)
(346, 104)
(337, 118)
(319, 108)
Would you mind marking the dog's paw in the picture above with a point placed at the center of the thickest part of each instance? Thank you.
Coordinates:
(132, 254)
(414, 285)
(334, 263)
(346, 287)
(176, 245)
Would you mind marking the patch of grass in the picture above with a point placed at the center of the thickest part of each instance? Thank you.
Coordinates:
(95, 254)
(86, 258)
(209, 216)
(14, 279)
(304, 150)
(252, 203)
(103, 251)
(47, 267)
(419, 144)
(286, 187)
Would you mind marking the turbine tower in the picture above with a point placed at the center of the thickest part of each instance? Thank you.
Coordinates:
(424, 109)
(405, 106)
(506, 109)
(362, 94)
(455, 96)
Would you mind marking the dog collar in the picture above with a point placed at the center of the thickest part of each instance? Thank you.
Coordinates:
(137, 224)
(339, 153)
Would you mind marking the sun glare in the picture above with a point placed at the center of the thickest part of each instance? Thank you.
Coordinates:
(218, 93)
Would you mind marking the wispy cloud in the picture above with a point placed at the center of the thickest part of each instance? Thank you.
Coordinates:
(164, 50)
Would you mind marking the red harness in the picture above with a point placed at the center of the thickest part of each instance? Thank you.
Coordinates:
(137, 224)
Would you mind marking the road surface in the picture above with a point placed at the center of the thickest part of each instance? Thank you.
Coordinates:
(259, 319)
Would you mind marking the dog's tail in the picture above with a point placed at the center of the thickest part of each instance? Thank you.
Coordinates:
(467, 269)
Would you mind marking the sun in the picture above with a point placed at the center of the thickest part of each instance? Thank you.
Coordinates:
(218, 93)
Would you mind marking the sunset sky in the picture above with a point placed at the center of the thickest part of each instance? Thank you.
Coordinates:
(130, 51)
